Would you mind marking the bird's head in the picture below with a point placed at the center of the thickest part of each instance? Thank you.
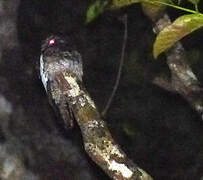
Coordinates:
(59, 54)
(54, 44)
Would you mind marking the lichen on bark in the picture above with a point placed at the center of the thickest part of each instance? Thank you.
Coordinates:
(98, 141)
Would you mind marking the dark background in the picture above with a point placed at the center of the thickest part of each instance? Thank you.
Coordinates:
(157, 129)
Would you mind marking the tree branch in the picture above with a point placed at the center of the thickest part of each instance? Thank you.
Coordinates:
(163, 83)
(183, 80)
(98, 141)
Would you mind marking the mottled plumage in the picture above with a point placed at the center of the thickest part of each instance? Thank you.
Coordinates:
(58, 57)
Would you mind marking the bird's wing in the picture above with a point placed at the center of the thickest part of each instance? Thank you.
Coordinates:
(58, 100)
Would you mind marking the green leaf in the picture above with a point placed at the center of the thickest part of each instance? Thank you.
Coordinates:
(179, 1)
(181, 27)
(122, 3)
(153, 8)
(194, 1)
(164, 2)
(95, 10)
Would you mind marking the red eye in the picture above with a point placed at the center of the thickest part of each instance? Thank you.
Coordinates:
(52, 41)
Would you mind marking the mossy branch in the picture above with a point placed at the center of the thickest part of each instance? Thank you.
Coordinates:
(98, 141)
(183, 81)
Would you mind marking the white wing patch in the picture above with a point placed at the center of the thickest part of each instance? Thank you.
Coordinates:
(43, 73)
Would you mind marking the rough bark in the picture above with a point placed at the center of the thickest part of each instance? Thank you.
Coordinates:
(62, 75)
(183, 81)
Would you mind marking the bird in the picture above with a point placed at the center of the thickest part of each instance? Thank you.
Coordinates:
(59, 56)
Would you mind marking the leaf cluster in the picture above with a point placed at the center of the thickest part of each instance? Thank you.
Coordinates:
(181, 27)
